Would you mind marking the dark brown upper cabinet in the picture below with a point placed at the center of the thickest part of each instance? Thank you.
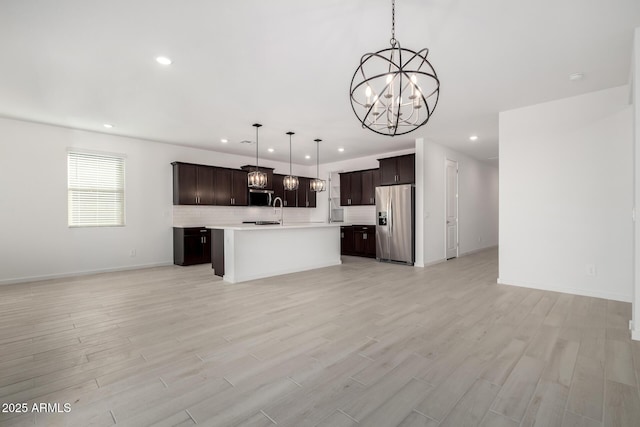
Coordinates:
(359, 187)
(398, 170)
(278, 187)
(303, 197)
(351, 188)
(193, 184)
(306, 197)
(231, 187)
(370, 180)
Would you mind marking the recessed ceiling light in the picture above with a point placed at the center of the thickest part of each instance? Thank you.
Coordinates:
(271, 150)
(576, 76)
(224, 140)
(107, 125)
(473, 137)
(341, 149)
(163, 60)
(307, 156)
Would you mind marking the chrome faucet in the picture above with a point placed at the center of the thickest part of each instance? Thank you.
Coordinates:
(281, 209)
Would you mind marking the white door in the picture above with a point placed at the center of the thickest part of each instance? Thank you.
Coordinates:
(451, 194)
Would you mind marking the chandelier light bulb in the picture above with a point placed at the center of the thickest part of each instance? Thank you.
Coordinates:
(367, 92)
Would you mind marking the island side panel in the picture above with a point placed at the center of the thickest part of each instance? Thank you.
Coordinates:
(217, 252)
(229, 256)
(272, 252)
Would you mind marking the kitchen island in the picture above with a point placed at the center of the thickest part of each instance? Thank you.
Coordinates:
(242, 252)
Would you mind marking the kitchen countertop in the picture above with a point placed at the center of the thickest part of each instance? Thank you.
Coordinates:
(293, 225)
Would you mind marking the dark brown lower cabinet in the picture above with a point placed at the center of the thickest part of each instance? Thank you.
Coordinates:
(191, 246)
(346, 240)
(358, 240)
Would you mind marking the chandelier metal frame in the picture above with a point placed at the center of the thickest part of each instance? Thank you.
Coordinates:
(379, 98)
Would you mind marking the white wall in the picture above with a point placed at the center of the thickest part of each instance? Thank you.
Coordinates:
(477, 202)
(566, 195)
(35, 240)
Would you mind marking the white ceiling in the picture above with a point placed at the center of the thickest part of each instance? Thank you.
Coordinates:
(288, 64)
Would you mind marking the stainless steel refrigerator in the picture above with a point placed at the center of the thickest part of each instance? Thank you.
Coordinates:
(395, 224)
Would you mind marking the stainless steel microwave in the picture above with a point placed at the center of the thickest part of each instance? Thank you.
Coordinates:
(260, 197)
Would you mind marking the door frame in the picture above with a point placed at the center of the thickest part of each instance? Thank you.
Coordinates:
(446, 161)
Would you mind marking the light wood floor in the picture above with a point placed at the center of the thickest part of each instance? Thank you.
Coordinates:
(362, 344)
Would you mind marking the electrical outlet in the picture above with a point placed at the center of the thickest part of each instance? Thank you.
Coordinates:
(132, 253)
(591, 270)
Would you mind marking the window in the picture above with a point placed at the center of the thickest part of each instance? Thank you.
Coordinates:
(96, 189)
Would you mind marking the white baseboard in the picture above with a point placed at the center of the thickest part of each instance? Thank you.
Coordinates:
(475, 251)
(82, 273)
(441, 260)
(635, 334)
(438, 261)
(566, 290)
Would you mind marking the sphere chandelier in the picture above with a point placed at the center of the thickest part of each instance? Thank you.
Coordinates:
(394, 91)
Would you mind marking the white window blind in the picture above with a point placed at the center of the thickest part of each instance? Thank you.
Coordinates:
(96, 189)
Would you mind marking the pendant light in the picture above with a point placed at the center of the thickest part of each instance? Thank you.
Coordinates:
(395, 90)
(256, 178)
(290, 182)
(317, 184)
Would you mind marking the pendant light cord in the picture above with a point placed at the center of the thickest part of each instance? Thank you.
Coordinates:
(257, 126)
(290, 168)
(317, 157)
(393, 23)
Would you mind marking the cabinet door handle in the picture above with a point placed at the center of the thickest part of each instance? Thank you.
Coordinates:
(342, 235)
(364, 236)
(204, 239)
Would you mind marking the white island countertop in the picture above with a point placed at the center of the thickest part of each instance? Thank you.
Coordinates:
(242, 252)
(285, 226)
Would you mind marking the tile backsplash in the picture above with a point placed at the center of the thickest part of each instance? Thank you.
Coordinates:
(197, 216)
(361, 215)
